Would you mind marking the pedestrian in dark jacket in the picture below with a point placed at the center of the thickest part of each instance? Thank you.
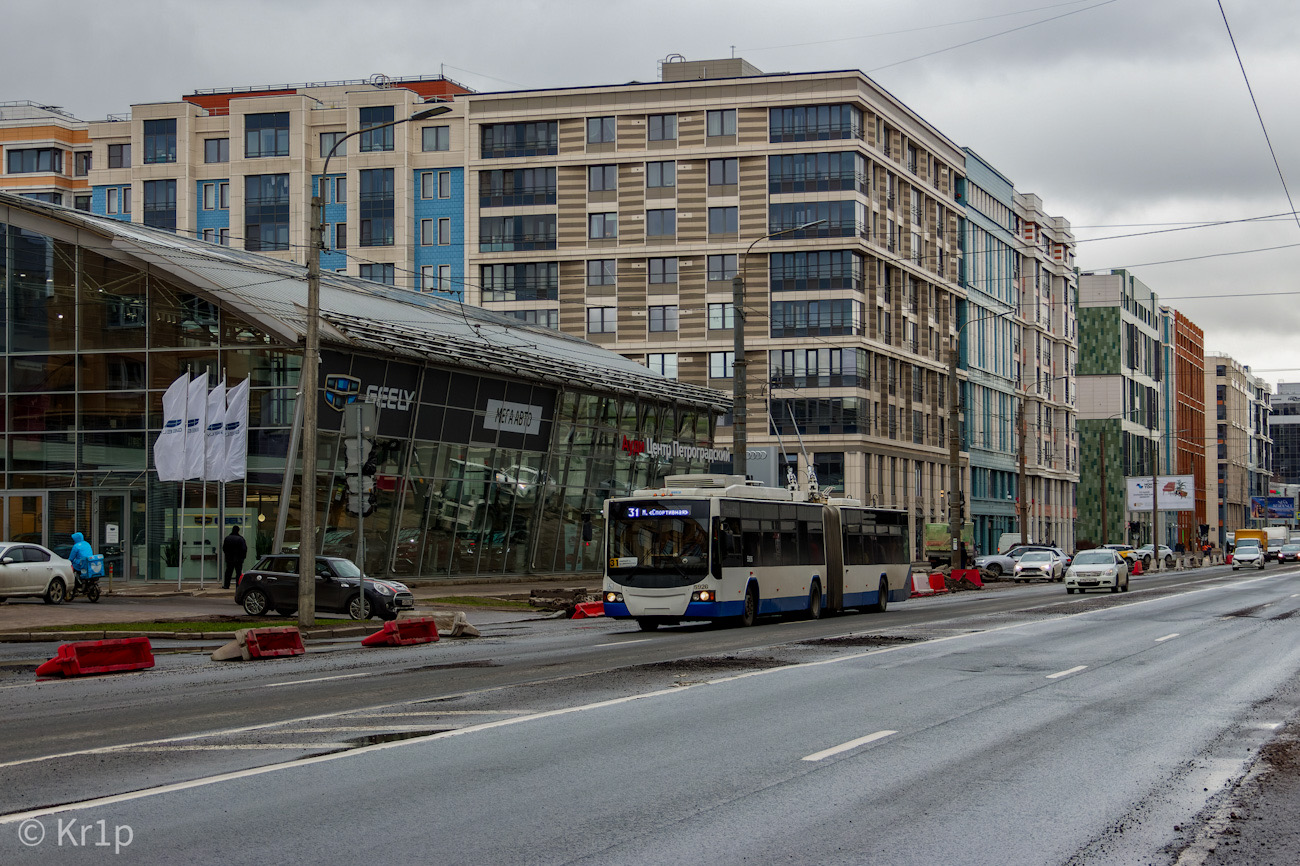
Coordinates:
(234, 548)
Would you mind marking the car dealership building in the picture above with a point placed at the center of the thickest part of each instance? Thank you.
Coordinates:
(495, 444)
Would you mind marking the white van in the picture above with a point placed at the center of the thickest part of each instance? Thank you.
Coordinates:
(1008, 540)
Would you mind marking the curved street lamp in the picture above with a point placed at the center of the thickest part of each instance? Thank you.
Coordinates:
(739, 411)
(309, 383)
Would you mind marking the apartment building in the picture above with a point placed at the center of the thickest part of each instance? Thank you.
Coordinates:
(1185, 359)
(44, 154)
(1048, 355)
(1238, 433)
(623, 213)
(1118, 401)
(239, 166)
(1284, 429)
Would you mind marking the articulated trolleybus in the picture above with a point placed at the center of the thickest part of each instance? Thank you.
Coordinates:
(716, 547)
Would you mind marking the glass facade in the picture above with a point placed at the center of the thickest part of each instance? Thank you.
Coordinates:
(458, 485)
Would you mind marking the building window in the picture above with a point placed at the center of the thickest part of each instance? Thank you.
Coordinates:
(602, 272)
(374, 140)
(663, 319)
(826, 318)
(444, 231)
(380, 273)
(602, 226)
(340, 190)
(665, 364)
(377, 207)
(119, 156)
(81, 202)
(266, 134)
(47, 197)
(829, 269)
(340, 236)
(835, 219)
(513, 187)
(724, 172)
(818, 172)
(660, 174)
(223, 237)
(724, 220)
(216, 150)
(815, 123)
(600, 130)
(545, 318)
(602, 178)
(427, 190)
(35, 159)
(444, 184)
(223, 196)
(602, 320)
(426, 232)
(661, 222)
(722, 317)
(160, 141)
(524, 232)
(721, 267)
(111, 200)
(81, 163)
(721, 122)
(266, 212)
(662, 271)
(435, 138)
(333, 144)
(160, 204)
(209, 235)
(721, 365)
(520, 139)
(209, 196)
(435, 278)
(524, 281)
(661, 127)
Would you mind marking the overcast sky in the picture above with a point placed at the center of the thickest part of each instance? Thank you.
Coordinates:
(1124, 116)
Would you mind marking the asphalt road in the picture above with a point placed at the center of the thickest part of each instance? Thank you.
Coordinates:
(1014, 726)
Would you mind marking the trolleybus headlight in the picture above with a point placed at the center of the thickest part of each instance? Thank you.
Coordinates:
(613, 596)
(704, 595)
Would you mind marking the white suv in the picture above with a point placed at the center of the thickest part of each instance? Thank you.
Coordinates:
(1248, 552)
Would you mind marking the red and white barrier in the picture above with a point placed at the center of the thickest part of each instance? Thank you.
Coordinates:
(99, 657)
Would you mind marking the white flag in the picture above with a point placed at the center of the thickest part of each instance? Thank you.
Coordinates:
(196, 412)
(169, 449)
(236, 438)
(214, 459)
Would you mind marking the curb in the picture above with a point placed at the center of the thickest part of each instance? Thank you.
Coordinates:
(63, 636)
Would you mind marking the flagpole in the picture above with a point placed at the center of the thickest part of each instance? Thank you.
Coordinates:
(180, 557)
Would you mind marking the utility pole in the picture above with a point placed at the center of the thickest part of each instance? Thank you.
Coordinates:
(954, 461)
(307, 392)
(1023, 483)
(1155, 481)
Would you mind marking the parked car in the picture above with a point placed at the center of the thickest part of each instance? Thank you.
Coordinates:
(1166, 555)
(1039, 565)
(1249, 552)
(998, 564)
(273, 584)
(33, 571)
(1100, 568)
(1289, 553)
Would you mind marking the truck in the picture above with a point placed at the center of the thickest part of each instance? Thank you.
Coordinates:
(1277, 536)
(1257, 534)
(938, 543)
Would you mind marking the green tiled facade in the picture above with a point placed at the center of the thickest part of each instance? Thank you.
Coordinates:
(1099, 342)
(1091, 434)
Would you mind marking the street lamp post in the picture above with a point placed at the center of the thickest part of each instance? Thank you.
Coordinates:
(739, 409)
(310, 378)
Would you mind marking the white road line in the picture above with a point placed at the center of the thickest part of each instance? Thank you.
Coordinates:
(1060, 674)
(1166, 637)
(330, 730)
(851, 744)
(386, 715)
(249, 747)
(621, 642)
(314, 680)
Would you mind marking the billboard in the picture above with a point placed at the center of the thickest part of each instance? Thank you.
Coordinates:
(1177, 493)
(1272, 506)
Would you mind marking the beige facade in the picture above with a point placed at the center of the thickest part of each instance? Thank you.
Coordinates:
(847, 322)
(44, 154)
(1048, 356)
(1237, 443)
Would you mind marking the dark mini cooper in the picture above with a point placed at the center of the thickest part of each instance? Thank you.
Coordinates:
(272, 584)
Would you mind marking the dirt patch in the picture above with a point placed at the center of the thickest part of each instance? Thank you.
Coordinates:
(445, 667)
(712, 663)
(1247, 611)
(862, 640)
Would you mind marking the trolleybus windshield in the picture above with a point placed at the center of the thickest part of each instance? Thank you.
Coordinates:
(658, 537)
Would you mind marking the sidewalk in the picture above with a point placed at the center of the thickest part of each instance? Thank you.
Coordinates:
(422, 589)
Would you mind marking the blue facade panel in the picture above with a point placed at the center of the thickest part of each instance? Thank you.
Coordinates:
(214, 218)
(336, 212)
(440, 199)
(99, 201)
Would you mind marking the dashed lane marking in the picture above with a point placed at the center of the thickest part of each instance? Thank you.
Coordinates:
(851, 744)
(1059, 674)
(1166, 637)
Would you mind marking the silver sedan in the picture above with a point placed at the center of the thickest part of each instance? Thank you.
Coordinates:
(1039, 565)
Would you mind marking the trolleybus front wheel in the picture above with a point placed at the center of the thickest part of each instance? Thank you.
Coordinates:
(750, 613)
